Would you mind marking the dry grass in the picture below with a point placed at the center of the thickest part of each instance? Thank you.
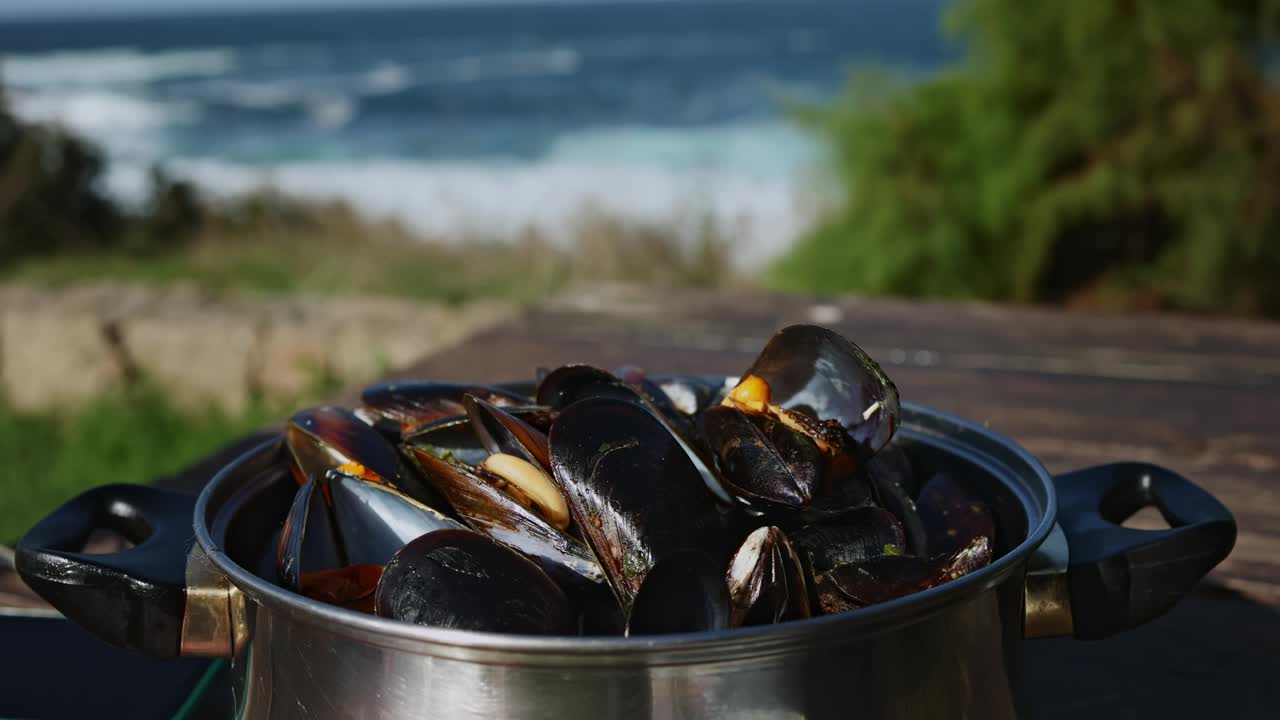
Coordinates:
(271, 243)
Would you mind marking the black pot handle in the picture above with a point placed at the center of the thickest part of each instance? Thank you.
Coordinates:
(1121, 577)
(134, 598)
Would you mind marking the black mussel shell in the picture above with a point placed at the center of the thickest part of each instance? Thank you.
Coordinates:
(496, 514)
(766, 580)
(308, 541)
(455, 438)
(569, 384)
(374, 521)
(463, 580)
(820, 374)
(862, 534)
(632, 490)
(763, 460)
(330, 438)
(591, 600)
(891, 477)
(952, 516)
(684, 592)
(501, 432)
(411, 405)
(885, 578)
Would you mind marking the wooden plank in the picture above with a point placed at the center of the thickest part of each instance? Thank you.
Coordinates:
(1198, 396)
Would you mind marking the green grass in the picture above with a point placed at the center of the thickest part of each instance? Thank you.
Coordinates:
(126, 437)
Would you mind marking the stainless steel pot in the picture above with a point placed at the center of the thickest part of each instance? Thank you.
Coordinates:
(1065, 567)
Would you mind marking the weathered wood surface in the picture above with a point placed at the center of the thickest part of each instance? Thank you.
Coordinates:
(1200, 396)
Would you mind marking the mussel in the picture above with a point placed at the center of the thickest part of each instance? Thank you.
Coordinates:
(347, 522)
(403, 407)
(766, 580)
(884, 578)
(684, 592)
(461, 579)
(499, 515)
(571, 384)
(510, 497)
(824, 385)
(864, 534)
(894, 486)
(329, 438)
(794, 432)
(632, 490)
(952, 517)
(308, 540)
(620, 504)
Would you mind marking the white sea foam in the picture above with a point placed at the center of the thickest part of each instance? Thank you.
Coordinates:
(113, 66)
(254, 95)
(102, 114)
(386, 78)
(451, 201)
(330, 111)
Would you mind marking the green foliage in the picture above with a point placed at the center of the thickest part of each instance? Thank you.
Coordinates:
(51, 203)
(1081, 148)
(48, 198)
(126, 436)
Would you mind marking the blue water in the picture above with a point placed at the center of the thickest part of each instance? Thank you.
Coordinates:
(428, 114)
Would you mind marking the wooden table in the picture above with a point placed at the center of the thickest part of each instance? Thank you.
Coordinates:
(1201, 396)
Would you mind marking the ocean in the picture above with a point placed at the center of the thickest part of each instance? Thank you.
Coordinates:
(478, 120)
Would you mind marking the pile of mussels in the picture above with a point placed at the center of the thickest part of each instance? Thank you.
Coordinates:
(611, 504)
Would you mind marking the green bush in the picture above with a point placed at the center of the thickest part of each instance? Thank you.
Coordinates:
(52, 203)
(1085, 148)
(49, 201)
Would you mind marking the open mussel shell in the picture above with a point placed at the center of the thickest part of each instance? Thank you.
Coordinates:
(452, 439)
(952, 516)
(818, 373)
(502, 432)
(891, 477)
(684, 592)
(766, 580)
(632, 490)
(308, 541)
(324, 438)
(461, 579)
(496, 514)
(330, 438)
(862, 534)
(374, 521)
(887, 577)
(456, 438)
(408, 406)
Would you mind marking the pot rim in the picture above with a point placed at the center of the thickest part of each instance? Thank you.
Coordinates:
(952, 433)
